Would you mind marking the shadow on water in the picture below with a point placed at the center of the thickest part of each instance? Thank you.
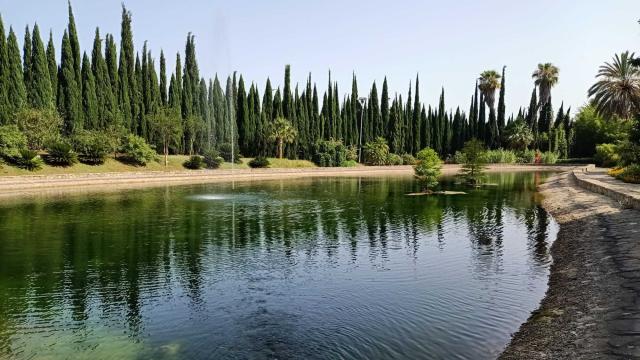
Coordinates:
(310, 268)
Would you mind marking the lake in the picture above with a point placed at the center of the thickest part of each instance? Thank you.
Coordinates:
(315, 268)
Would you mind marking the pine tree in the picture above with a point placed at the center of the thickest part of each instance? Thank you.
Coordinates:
(39, 93)
(89, 98)
(16, 92)
(69, 95)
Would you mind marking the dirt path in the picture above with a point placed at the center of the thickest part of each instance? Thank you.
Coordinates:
(591, 310)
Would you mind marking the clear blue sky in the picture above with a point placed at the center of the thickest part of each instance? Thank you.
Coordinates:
(447, 42)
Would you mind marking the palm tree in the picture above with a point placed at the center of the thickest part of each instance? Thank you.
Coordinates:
(617, 91)
(519, 135)
(489, 82)
(283, 132)
(546, 77)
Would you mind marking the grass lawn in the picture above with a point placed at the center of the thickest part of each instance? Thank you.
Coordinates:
(112, 165)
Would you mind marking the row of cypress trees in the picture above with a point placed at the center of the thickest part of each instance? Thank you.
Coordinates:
(121, 87)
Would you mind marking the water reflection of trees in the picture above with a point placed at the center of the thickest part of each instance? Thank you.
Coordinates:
(117, 253)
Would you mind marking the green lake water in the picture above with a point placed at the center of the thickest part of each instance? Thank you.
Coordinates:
(317, 268)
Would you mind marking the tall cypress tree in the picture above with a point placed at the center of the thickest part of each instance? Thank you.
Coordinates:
(5, 116)
(219, 109)
(163, 79)
(69, 95)
(26, 58)
(416, 118)
(287, 97)
(356, 110)
(111, 58)
(106, 102)
(75, 45)
(175, 100)
(532, 114)
(375, 123)
(384, 109)
(53, 67)
(501, 104)
(243, 118)
(15, 91)
(89, 98)
(408, 128)
(126, 72)
(39, 91)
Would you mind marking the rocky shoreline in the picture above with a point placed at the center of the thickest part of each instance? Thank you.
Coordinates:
(590, 310)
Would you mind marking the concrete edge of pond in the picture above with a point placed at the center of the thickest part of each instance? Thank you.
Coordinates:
(590, 310)
(596, 180)
(30, 185)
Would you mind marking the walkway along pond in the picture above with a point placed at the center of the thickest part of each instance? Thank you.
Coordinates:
(591, 310)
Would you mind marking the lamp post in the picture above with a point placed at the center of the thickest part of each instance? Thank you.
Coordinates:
(363, 101)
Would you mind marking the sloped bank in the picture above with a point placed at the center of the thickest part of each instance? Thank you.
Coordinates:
(590, 310)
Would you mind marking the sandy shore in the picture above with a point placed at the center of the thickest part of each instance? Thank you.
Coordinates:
(591, 309)
(18, 186)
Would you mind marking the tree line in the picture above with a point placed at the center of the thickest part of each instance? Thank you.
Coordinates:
(115, 86)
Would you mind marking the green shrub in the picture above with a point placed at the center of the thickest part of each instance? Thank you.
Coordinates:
(629, 153)
(60, 153)
(501, 156)
(40, 126)
(428, 168)
(631, 174)
(92, 147)
(607, 155)
(408, 159)
(459, 157)
(328, 153)
(474, 167)
(352, 153)
(137, 151)
(225, 152)
(12, 140)
(376, 152)
(349, 163)
(29, 160)
(212, 159)
(259, 162)
(394, 159)
(549, 157)
(195, 162)
(526, 157)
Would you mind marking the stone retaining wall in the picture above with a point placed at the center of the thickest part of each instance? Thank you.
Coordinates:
(627, 200)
